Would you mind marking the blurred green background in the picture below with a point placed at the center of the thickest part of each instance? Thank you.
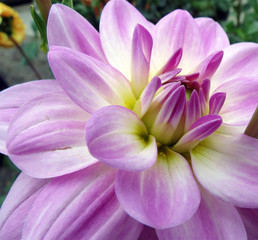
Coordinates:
(239, 18)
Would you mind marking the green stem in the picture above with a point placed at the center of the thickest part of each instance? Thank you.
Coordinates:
(27, 59)
(44, 7)
(252, 127)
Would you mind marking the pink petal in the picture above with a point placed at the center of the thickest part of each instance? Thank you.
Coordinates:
(117, 23)
(239, 61)
(213, 35)
(162, 196)
(203, 102)
(250, 219)
(14, 97)
(209, 65)
(90, 83)
(5, 116)
(172, 62)
(147, 96)
(216, 102)
(227, 166)
(214, 219)
(46, 137)
(162, 121)
(17, 205)
(62, 31)
(81, 205)
(174, 31)
(117, 137)
(201, 129)
(206, 88)
(193, 110)
(241, 100)
(140, 60)
(171, 76)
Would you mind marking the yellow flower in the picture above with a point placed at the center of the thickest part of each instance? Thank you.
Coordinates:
(11, 26)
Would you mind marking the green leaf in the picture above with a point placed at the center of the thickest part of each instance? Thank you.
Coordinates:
(42, 29)
(68, 3)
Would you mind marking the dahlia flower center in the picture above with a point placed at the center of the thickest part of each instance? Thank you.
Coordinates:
(182, 105)
(164, 110)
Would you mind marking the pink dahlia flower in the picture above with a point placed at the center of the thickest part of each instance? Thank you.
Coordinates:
(139, 137)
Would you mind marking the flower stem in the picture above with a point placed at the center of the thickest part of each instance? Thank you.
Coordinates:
(252, 127)
(25, 56)
(44, 7)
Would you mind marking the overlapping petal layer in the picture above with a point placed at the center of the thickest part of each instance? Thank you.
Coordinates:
(145, 100)
(173, 32)
(162, 196)
(241, 100)
(214, 219)
(116, 136)
(14, 97)
(201, 129)
(90, 83)
(239, 61)
(213, 35)
(117, 23)
(140, 59)
(17, 205)
(48, 141)
(226, 165)
(89, 211)
(82, 36)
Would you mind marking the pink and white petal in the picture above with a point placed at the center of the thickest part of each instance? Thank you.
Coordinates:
(90, 83)
(82, 36)
(229, 129)
(162, 196)
(201, 129)
(193, 110)
(140, 59)
(170, 76)
(81, 205)
(213, 36)
(216, 102)
(172, 62)
(214, 219)
(5, 116)
(147, 96)
(18, 204)
(239, 61)
(227, 166)
(168, 117)
(209, 65)
(46, 137)
(241, 100)
(250, 219)
(14, 97)
(116, 136)
(117, 23)
(174, 31)
(148, 233)
(205, 87)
